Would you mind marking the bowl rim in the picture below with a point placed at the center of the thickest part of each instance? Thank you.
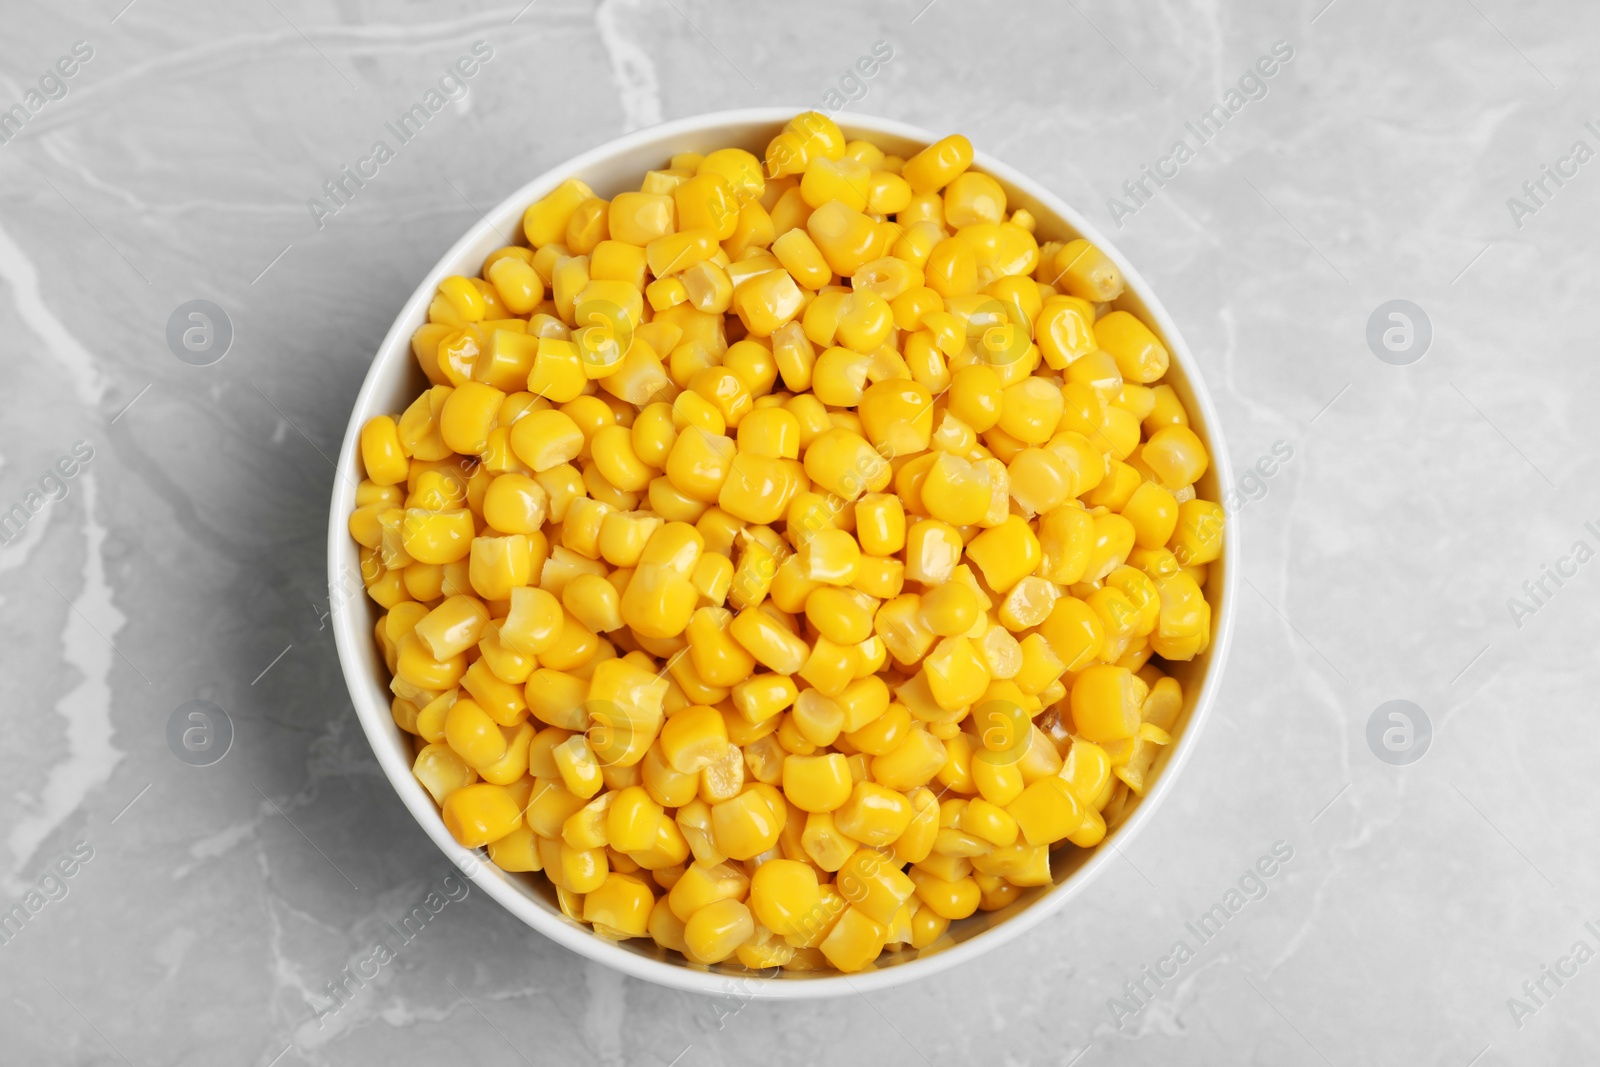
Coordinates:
(372, 705)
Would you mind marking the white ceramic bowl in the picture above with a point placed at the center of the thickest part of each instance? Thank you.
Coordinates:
(394, 381)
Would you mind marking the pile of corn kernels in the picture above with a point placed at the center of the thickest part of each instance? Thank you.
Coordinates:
(782, 558)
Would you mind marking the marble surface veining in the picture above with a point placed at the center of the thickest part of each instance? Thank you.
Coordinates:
(1421, 535)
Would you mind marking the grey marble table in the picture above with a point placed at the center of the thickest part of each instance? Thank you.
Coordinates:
(1417, 529)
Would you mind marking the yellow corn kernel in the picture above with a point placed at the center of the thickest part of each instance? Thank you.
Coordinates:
(478, 814)
(996, 778)
(817, 783)
(757, 488)
(1105, 705)
(956, 491)
(588, 226)
(545, 222)
(873, 814)
(770, 433)
(1028, 603)
(1165, 410)
(1047, 811)
(768, 301)
(614, 458)
(556, 697)
(1197, 539)
(500, 564)
(773, 646)
(665, 928)
(840, 376)
(971, 198)
(594, 602)
(452, 627)
(436, 536)
(517, 851)
(624, 535)
(830, 556)
(943, 900)
(1041, 664)
(1065, 329)
(659, 601)
(586, 828)
(691, 410)
(899, 623)
(750, 263)
(702, 884)
(842, 616)
(1176, 455)
(740, 169)
(1140, 355)
(1153, 511)
(950, 609)
(937, 165)
(745, 825)
(382, 454)
(955, 673)
(1087, 771)
(880, 524)
(807, 136)
(579, 870)
(666, 786)
(1111, 542)
(415, 665)
(847, 239)
(676, 546)
(802, 259)
(914, 763)
(618, 261)
(897, 416)
(846, 180)
(1084, 271)
(653, 434)
(1006, 554)
(474, 736)
(707, 202)
(639, 218)
(932, 551)
(719, 660)
(534, 623)
(465, 300)
(754, 576)
(874, 885)
(854, 941)
(694, 739)
(823, 843)
(763, 696)
(714, 932)
(624, 712)
(632, 820)
(568, 278)
(783, 896)
(988, 821)
(546, 439)
(559, 370)
(441, 771)
(670, 254)
(700, 462)
(752, 360)
(550, 805)
(579, 769)
(620, 908)
(708, 287)
(515, 504)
